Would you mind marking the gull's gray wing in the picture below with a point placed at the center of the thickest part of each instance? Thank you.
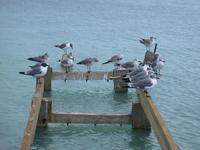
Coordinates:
(143, 83)
(128, 64)
(86, 61)
(34, 71)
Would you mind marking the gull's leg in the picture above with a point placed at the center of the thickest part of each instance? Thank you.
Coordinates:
(87, 73)
(89, 69)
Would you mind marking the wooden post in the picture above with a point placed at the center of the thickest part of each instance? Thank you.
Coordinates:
(157, 123)
(119, 84)
(140, 120)
(47, 80)
(155, 48)
(43, 115)
(150, 57)
(46, 101)
(29, 133)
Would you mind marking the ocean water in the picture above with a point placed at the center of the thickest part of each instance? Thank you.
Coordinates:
(100, 29)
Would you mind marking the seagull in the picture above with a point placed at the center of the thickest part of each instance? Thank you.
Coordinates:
(88, 62)
(37, 71)
(36, 65)
(148, 43)
(159, 65)
(114, 59)
(145, 84)
(65, 46)
(144, 68)
(67, 61)
(130, 65)
(139, 74)
(40, 59)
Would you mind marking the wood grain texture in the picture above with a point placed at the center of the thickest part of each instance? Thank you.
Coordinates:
(97, 75)
(29, 133)
(85, 118)
(47, 79)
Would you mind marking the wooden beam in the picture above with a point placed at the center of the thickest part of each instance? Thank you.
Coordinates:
(140, 120)
(45, 111)
(31, 124)
(86, 118)
(157, 123)
(119, 84)
(39, 89)
(47, 79)
(29, 133)
(97, 75)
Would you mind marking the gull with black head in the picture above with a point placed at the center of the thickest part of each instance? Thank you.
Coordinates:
(39, 71)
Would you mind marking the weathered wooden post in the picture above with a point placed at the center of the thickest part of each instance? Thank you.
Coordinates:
(119, 84)
(150, 57)
(140, 120)
(45, 110)
(47, 79)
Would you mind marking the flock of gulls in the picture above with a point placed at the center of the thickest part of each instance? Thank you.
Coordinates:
(140, 75)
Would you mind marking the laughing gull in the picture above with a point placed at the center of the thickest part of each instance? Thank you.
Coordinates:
(114, 59)
(37, 71)
(146, 83)
(148, 43)
(36, 65)
(130, 65)
(144, 68)
(88, 62)
(65, 46)
(41, 58)
(138, 74)
(67, 61)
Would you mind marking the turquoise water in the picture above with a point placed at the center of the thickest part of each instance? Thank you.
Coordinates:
(100, 29)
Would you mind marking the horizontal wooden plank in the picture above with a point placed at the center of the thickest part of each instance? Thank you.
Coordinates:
(97, 75)
(157, 123)
(86, 118)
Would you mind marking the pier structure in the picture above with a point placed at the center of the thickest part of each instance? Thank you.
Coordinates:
(144, 114)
